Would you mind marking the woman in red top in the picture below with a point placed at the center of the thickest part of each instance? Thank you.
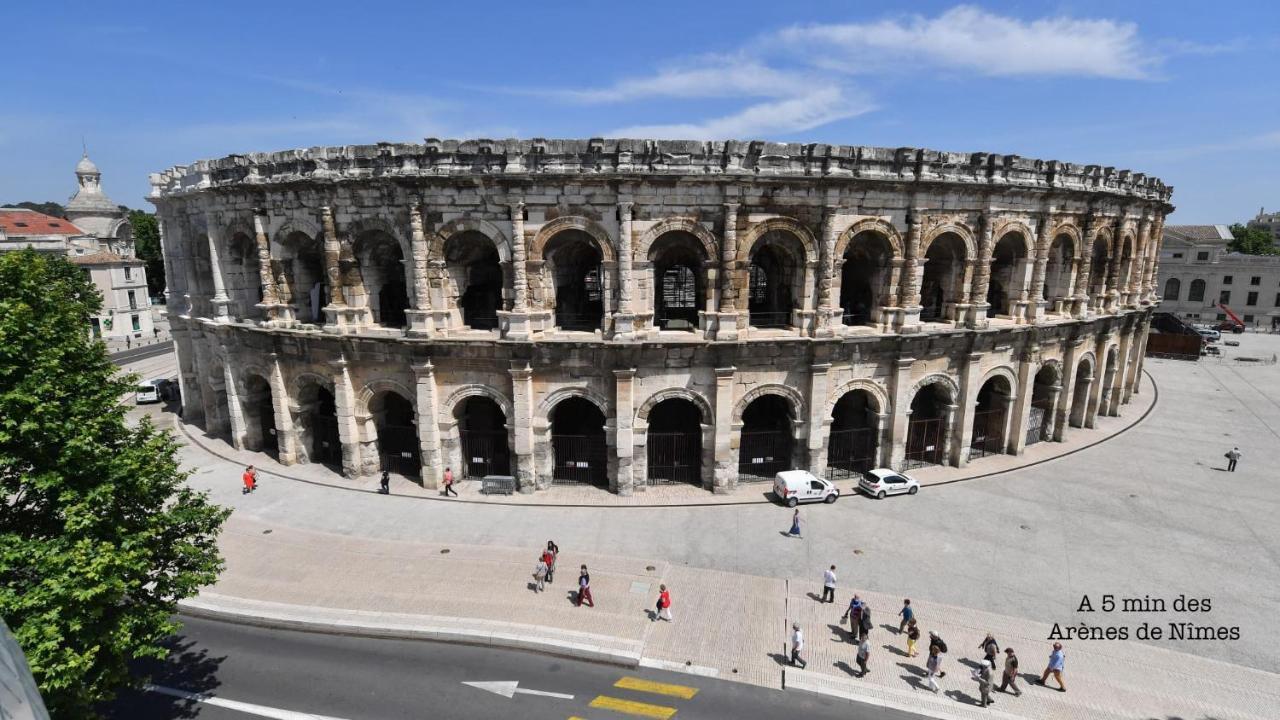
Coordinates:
(664, 604)
(250, 479)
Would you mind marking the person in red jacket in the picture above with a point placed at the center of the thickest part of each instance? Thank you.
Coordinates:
(250, 479)
(664, 604)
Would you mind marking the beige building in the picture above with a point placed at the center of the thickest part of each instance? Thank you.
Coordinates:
(1269, 221)
(631, 312)
(1198, 275)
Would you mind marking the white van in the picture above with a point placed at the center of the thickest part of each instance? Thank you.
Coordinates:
(797, 486)
(149, 391)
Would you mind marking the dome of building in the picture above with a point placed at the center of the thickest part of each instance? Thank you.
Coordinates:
(86, 166)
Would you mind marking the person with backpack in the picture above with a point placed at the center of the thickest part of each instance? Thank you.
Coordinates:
(1232, 456)
(937, 643)
(448, 483)
(864, 622)
(934, 668)
(385, 484)
(982, 676)
(540, 575)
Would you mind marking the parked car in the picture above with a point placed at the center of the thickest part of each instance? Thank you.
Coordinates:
(796, 486)
(151, 391)
(1210, 334)
(882, 481)
(1231, 326)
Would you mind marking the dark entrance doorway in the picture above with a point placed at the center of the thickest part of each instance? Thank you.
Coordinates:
(852, 444)
(927, 428)
(261, 416)
(579, 452)
(398, 448)
(1043, 400)
(482, 430)
(476, 272)
(674, 443)
(577, 273)
(766, 444)
(771, 275)
(319, 420)
(990, 419)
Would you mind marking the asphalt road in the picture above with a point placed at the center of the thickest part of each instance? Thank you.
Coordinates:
(142, 352)
(308, 675)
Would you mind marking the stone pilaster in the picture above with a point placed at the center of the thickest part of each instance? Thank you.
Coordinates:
(828, 310)
(419, 316)
(624, 387)
(912, 272)
(726, 473)
(1119, 386)
(1070, 360)
(167, 254)
(1149, 289)
(235, 411)
(344, 401)
(949, 432)
(970, 376)
(220, 300)
(1138, 279)
(1111, 293)
(982, 274)
(424, 375)
(624, 322)
(1080, 302)
(1044, 239)
(1049, 430)
(884, 445)
(286, 433)
(727, 318)
(1020, 412)
(901, 410)
(522, 400)
(819, 383)
(270, 296)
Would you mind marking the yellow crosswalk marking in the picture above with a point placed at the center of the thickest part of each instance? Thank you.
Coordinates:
(633, 683)
(630, 707)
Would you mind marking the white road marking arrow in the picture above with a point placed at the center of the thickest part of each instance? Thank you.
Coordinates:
(508, 688)
(244, 707)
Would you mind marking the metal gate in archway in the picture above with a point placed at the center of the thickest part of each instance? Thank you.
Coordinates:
(763, 453)
(924, 443)
(988, 433)
(1036, 424)
(485, 453)
(851, 452)
(579, 460)
(326, 448)
(398, 450)
(674, 458)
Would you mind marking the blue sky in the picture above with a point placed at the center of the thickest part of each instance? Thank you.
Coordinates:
(1186, 91)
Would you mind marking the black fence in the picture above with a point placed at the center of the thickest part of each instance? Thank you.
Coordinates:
(851, 452)
(924, 443)
(482, 322)
(763, 453)
(674, 458)
(580, 460)
(770, 319)
(575, 321)
(1037, 424)
(988, 433)
(485, 453)
(326, 448)
(399, 450)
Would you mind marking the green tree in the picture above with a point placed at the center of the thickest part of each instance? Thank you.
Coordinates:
(146, 240)
(48, 208)
(1252, 241)
(99, 534)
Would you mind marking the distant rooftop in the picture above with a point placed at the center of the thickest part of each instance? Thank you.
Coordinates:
(1198, 233)
(17, 222)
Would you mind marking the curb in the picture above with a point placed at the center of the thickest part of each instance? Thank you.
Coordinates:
(854, 692)
(441, 629)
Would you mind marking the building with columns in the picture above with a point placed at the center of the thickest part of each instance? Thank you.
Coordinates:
(625, 313)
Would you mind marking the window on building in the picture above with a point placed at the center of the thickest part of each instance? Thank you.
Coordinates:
(133, 301)
(1255, 280)
(1202, 256)
(1224, 297)
(128, 273)
(1251, 299)
(1248, 318)
(1177, 256)
(1226, 279)
(1278, 300)
(137, 324)
(1172, 288)
(1222, 316)
(1197, 291)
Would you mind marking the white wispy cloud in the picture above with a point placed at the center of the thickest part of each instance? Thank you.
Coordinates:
(1260, 142)
(793, 114)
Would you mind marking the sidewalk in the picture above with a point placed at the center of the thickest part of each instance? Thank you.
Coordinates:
(728, 625)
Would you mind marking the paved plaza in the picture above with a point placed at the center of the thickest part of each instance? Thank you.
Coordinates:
(1150, 512)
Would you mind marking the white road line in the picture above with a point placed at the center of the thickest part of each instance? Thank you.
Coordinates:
(244, 707)
(509, 688)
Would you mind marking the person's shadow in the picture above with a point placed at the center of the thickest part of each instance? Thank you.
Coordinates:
(895, 650)
(962, 697)
(781, 659)
(187, 668)
(845, 667)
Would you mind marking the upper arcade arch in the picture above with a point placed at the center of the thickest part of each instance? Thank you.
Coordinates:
(688, 225)
(956, 229)
(875, 226)
(790, 226)
(603, 242)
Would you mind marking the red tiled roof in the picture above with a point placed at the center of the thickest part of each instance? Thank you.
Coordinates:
(104, 258)
(19, 222)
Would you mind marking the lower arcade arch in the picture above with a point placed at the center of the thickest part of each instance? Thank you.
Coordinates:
(853, 442)
(1044, 401)
(317, 421)
(259, 414)
(928, 427)
(579, 449)
(766, 442)
(483, 436)
(673, 443)
(395, 425)
(991, 418)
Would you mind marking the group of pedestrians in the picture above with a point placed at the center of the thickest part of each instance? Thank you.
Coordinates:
(858, 614)
(544, 572)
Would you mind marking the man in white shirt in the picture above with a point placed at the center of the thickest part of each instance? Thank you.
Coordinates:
(797, 645)
(829, 585)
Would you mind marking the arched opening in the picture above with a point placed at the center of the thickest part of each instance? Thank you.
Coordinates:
(1196, 292)
(766, 445)
(259, 417)
(865, 277)
(202, 290)
(990, 418)
(577, 274)
(1058, 273)
(775, 279)
(1008, 275)
(854, 439)
(1172, 288)
(674, 443)
(482, 430)
(677, 260)
(218, 415)
(382, 285)
(927, 427)
(475, 276)
(579, 451)
(318, 425)
(1098, 268)
(943, 283)
(1080, 395)
(1044, 401)
(300, 277)
(396, 425)
(241, 277)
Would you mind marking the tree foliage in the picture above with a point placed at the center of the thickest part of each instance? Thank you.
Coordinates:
(146, 241)
(1252, 241)
(48, 208)
(99, 535)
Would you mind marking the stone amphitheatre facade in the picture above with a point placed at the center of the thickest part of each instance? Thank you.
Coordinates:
(631, 312)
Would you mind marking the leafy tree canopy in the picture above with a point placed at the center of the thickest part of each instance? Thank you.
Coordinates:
(48, 208)
(146, 241)
(1252, 241)
(99, 535)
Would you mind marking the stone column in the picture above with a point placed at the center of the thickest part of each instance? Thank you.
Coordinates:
(1070, 361)
(1036, 303)
(727, 322)
(819, 381)
(1020, 413)
(235, 412)
(1138, 278)
(167, 254)
(191, 287)
(726, 474)
(982, 275)
(901, 410)
(1099, 391)
(517, 321)
(286, 433)
(1081, 300)
(624, 389)
(335, 310)
(270, 298)
(348, 428)
(948, 432)
(188, 377)
(1149, 279)
(427, 417)
(1107, 301)
(1119, 394)
(824, 321)
(884, 445)
(970, 378)
(419, 316)
(624, 322)
(220, 299)
(1050, 428)
(912, 272)
(522, 401)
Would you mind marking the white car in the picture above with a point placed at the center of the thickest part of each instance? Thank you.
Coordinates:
(797, 486)
(882, 481)
(1210, 334)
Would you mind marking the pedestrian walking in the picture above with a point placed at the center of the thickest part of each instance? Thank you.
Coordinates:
(550, 554)
(250, 479)
(584, 588)
(664, 605)
(937, 643)
(853, 614)
(933, 668)
(1009, 679)
(385, 487)
(795, 524)
(829, 585)
(540, 575)
(448, 483)
(1057, 663)
(913, 634)
(983, 677)
(864, 621)
(907, 614)
(128, 341)
(1233, 456)
(990, 649)
(797, 646)
(864, 653)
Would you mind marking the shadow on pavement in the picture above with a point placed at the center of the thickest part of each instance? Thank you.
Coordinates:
(187, 667)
